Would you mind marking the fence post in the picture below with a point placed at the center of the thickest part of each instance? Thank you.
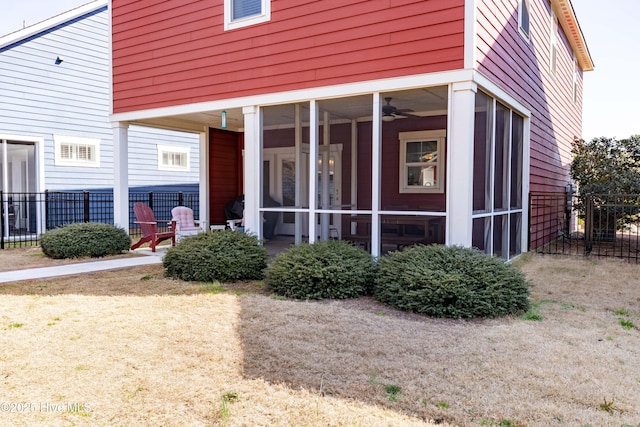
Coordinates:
(588, 224)
(86, 206)
(46, 210)
(151, 199)
(2, 218)
(180, 198)
(530, 224)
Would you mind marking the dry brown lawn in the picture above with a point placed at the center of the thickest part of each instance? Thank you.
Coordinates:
(131, 347)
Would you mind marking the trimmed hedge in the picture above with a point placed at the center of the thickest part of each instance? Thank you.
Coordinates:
(452, 281)
(225, 256)
(84, 239)
(324, 269)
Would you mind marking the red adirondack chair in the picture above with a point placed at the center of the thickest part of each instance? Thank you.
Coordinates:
(149, 227)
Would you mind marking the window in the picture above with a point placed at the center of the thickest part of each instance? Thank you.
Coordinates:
(173, 158)
(242, 13)
(523, 18)
(421, 162)
(574, 92)
(553, 59)
(76, 151)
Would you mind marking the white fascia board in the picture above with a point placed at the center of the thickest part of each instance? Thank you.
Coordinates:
(49, 23)
(301, 95)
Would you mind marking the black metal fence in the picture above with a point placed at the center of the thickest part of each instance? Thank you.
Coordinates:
(601, 225)
(25, 216)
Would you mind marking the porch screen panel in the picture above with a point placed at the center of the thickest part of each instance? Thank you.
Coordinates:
(515, 236)
(517, 133)
(501, 159)
(285, 160)
(500, 233)
(482, 153)
(481, 237)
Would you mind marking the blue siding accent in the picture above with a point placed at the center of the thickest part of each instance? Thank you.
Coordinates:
(40, 99)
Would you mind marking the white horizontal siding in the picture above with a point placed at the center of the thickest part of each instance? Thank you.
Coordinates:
(40, 99)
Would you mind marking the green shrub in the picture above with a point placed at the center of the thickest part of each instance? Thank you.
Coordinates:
(225, 256)
(324, 269)
(84, 239)
(451, 281)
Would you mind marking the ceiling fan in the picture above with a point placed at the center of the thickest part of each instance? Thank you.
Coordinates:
(390, 112)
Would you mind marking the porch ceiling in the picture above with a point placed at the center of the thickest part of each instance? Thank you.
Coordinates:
(421, 102)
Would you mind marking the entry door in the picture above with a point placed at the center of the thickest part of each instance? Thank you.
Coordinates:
(282, 186)
(21, 180)
(334, 196)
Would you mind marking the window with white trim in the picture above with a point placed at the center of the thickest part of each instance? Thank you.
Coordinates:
(76, 151)
(422, 161)
(242, 13)
(523, 18)
(173, 158)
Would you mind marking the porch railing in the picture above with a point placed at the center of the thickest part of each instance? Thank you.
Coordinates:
(25, 216)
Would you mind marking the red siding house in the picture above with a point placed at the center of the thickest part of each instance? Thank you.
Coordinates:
(384, 123)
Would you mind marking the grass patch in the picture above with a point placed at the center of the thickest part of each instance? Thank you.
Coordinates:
(393, 392)
(228, 397)
(533, 313)
(627, 324)
(608, 405)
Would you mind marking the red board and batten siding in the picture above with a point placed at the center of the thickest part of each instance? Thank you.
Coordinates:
(175, 53)
(522, 69)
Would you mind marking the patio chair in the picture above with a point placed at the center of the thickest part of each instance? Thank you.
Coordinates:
(149, 228)
(185, 224)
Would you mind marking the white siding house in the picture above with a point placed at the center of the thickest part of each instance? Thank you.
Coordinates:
(55, 102)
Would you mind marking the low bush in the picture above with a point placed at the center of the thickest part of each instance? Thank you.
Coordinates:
(90, 239)
(225, 256)
(324, 269)
(451, 281)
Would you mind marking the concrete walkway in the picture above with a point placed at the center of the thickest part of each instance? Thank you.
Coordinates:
(84, 267)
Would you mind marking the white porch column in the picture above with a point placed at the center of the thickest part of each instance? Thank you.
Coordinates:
(121, 174)
(460, 161)
(376, 180)
(313, 169)
(252, 169)
(203, 192)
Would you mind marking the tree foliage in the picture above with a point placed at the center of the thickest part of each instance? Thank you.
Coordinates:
(607, 165)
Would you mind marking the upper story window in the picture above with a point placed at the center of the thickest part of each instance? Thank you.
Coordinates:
(173, 158)
(523, 18)
(553, 45)
(241, 13)
(422, 162)
(76, 151)
(574, 92)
